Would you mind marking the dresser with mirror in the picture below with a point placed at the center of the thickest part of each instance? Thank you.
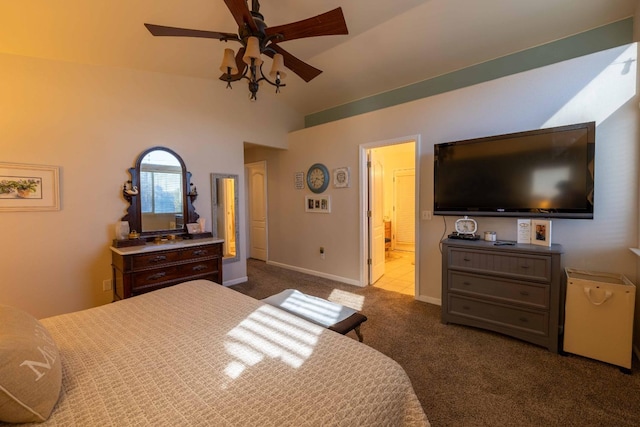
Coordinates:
(166, 245)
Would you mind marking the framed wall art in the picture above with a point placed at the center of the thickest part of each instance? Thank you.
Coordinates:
(29, 187)
(341, 177)
(298, 180)
(317, 204)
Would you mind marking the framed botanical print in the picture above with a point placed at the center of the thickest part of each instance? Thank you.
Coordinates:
(29, 187)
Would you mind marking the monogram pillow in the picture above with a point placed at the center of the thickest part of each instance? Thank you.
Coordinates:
(30, 368)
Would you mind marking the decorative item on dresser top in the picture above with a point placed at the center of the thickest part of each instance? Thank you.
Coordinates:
(141, 269)
(513, 289)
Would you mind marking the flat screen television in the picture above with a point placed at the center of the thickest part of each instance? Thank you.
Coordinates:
(540, 173)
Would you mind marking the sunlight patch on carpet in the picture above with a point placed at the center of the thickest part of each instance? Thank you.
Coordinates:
(347, 299)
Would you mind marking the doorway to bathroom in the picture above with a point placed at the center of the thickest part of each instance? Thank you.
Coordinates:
(390, 212)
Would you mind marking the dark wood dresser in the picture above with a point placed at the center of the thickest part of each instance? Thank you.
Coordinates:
(515, 290)
(140, 269)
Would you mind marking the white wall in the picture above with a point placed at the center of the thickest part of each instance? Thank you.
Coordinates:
(599, 87)
(93, 122)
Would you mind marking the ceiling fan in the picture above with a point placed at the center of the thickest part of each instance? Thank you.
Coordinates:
(256, 38)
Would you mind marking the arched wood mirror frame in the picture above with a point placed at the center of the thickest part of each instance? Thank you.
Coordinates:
(134, 212)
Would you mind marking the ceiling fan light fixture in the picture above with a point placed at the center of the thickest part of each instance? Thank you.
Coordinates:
(252, 52)
(229, 62)
(277, 67)
(256, 38)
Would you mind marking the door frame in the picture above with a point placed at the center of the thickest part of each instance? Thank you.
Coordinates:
(364, 203)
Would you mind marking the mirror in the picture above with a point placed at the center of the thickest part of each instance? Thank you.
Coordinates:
(160, 194)
(224, 206)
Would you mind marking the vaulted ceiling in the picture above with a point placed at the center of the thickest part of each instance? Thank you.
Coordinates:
(390, 43)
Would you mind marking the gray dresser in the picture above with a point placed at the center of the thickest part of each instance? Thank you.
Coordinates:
(515, 290)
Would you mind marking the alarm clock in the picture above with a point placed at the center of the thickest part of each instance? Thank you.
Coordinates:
(466, 225)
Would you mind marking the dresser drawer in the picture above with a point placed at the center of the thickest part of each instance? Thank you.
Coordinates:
(200, 252)
(528, 267)
(155, 259)
(197, 268)
(531, 294)
(184, 272)
(499, 315)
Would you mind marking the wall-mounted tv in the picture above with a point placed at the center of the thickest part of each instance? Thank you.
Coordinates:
(539, 173)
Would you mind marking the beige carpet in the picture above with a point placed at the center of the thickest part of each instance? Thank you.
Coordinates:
(469, 377)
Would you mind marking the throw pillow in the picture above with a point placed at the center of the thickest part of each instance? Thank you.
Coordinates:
(30, 368)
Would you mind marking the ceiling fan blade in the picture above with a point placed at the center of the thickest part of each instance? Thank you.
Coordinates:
(161, 30)
(301, 68)
(241, 13)
(326, 24)
(241, 67)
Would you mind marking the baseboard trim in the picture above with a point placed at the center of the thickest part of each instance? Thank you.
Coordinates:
(317, 274)
(235, 281)
(430, 300)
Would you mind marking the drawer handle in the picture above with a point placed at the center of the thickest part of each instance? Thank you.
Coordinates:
(157, 276)
(524, 320)
(199, 267)
(466, 283)
(199, 252)
(524, 266)
(466, 307)
(159, 258)
(466, 259)
(524, 293)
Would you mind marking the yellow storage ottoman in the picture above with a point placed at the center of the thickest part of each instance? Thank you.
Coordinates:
(599, 312)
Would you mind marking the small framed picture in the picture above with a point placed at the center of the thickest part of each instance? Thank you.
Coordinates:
(341, 177)
(317, 204)
(541, 232)
(524, 231)
(298, 180)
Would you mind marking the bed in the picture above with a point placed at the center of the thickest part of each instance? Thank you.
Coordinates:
(202, 354)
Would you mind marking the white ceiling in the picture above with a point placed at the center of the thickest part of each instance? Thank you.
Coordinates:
(390, 43)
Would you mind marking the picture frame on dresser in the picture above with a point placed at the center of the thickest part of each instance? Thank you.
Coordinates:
(541, 232)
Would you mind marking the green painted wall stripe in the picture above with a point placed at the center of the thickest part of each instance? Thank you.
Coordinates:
(608, 36)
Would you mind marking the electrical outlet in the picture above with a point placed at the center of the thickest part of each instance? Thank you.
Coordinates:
(107, 285)
(426, 215)
(322, 252)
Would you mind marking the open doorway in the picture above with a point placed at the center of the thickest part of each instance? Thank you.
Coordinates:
(390, 212)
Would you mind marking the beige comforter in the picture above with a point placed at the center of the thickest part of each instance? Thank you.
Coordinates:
(201, 354)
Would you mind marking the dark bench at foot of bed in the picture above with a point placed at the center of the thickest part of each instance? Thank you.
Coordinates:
(325, 313)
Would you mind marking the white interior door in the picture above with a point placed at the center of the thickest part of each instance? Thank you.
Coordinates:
(405, 208)
(257, 180)
(376, 221)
